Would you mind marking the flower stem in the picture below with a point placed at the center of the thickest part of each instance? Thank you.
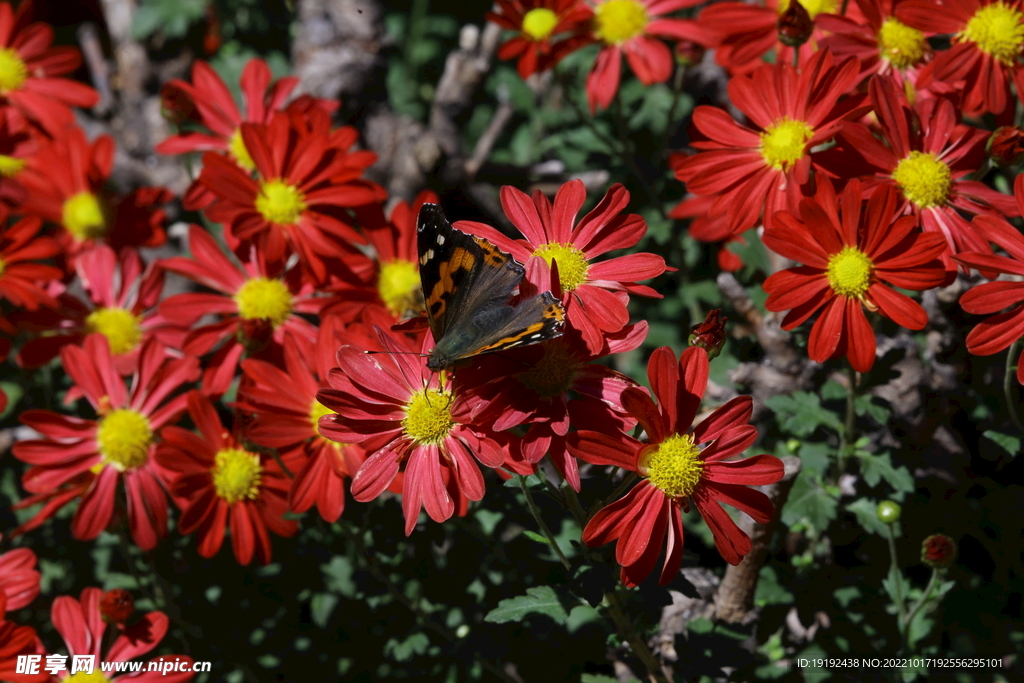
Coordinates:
(894, 570)
(535, 511)
(1008, 378)
(925, 597)
(632, 636)
(849, 435)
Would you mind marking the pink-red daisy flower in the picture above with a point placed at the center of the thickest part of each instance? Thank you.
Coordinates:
(678, 464)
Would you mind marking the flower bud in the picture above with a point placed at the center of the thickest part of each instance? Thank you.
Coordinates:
(689, 53)
(888, 512)
(176, 105)
(710, 334)
(1006, 146)
(795, 25)
(116, 606)
(938, 550)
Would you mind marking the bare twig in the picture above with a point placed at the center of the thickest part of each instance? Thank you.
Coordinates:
(484, 145)
(99, 70)
(734, 601)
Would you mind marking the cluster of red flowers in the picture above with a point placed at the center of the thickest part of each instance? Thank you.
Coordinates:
(311, 273)
(852, 154)
(102, 627)
(853, 158)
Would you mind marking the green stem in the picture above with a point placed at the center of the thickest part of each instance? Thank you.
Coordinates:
(1009, 377)
(626, 155)
(894, 570)
(925, 597)
(849, 435)
(632, 636)
(575, 507)
(796, 57)
(356, 539)
(535, 511)
(627, 481)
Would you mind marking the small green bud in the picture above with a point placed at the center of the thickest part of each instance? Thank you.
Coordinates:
(888, 512)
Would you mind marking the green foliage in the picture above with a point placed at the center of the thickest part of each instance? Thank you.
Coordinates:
(538, 600)
(801, 413)
(171, 17)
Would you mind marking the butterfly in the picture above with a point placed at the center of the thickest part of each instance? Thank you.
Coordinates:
(467, 283)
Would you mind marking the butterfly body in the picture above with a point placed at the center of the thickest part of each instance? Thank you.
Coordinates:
(467, 286)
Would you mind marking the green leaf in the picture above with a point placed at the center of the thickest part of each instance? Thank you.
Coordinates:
(538, 600)
(338, 576)
(415, 644)
(770, 591)
(1009, 443)
(845, 595)
(869, 405)
(654, 109)
(534, 536)
(14, 393)
(321, 606)
(809, 501)
(171, 17)
(864, 509)
(878, 467)
(801, 413)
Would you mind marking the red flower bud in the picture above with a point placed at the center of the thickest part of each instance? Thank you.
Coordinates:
(689, 53)
(116, 606)
(1006, 146)
(795, 25)
(938, 550)
(175, 104)
(710, 334)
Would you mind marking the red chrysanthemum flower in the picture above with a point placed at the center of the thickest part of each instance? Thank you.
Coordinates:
(988, 42)
(225, 485)
(306, 179)
(391, 283)
(208, 102)
(81, 625)
(929, 159)
(121, 306)
(17, 641)
(853, 257)
(29, 70)
(287, 415)
(5, 348)
(883, 44)
(743, 33)
(712, 229)
(403, 415)
(1001, 330)
(22, 278)
(257, 305)
(678, 464)
(758, 171)
(630, 29)
(550, 386)
(116, 447)
(19, 579)
(538, 23)
(594, 294)
(65, 183)
(15, 150)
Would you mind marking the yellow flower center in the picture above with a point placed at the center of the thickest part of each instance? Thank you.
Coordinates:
(3, 267)
(280, 202)
(399, 286)
(428, 416)
(81, 677)
(83, 216)
(237, 475)
(849, 272)
(262, 298)
(675, 466)
(123, 438)
(10, 166)
(122, 329)
(813, 7)
(539, 23)
(554, 374)
(616, 21)
(572, 263)
(997, 30)
(316, 411)
(785, 142)
(13, 71)
(924, 179)
(239, 152)
(901, 45)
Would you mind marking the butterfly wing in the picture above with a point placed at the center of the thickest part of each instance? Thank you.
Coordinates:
(534, 320)
(460, 274)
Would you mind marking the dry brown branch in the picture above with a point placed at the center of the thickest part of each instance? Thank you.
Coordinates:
(734, 600)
